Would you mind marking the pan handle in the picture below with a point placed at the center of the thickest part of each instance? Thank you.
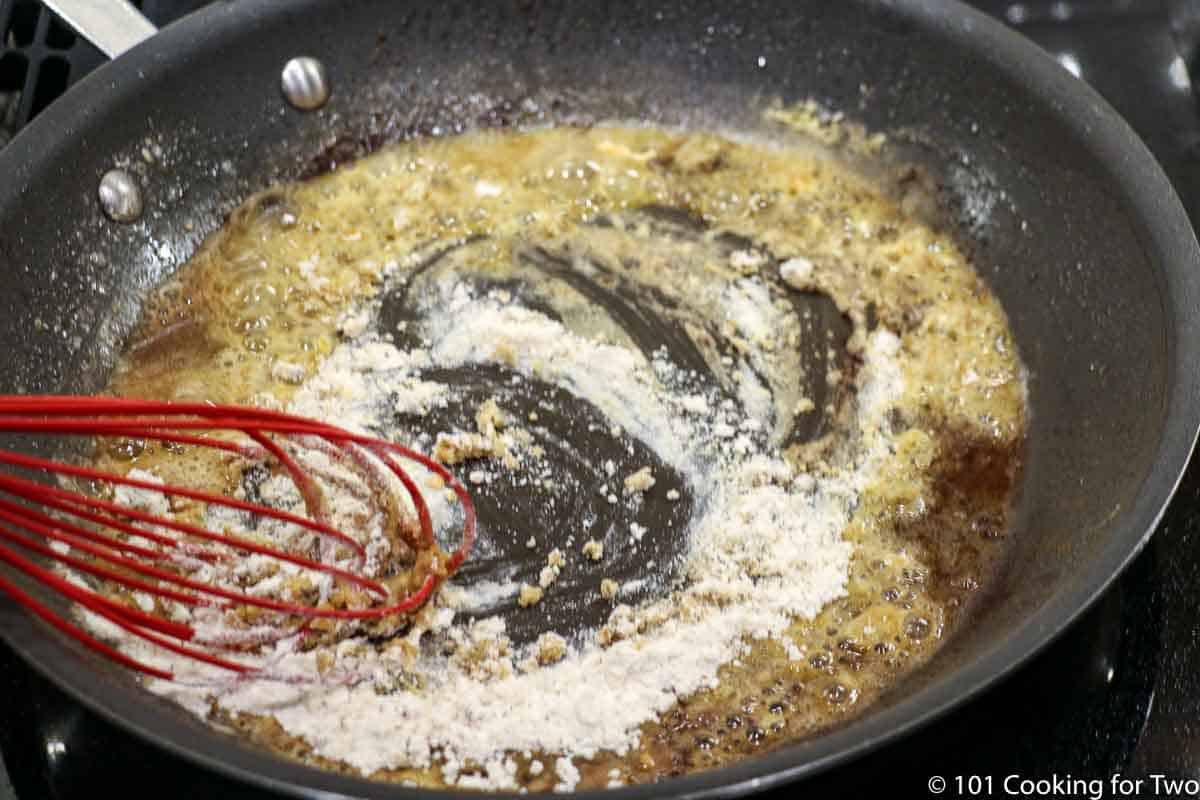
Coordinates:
(114, 26)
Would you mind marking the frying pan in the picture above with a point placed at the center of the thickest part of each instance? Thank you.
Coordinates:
(1061, 206)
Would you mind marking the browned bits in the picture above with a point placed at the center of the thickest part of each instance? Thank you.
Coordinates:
(263, 292)
(124, 449)
(836, 693)
(916, 627)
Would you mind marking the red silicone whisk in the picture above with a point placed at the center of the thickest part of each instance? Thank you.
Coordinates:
(158, 554)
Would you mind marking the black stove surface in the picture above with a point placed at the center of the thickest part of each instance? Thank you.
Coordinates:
(1119, 694)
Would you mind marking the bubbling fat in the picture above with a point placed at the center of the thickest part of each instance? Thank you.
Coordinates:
(303, 269)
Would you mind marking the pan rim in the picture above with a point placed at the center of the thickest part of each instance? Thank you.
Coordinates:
(1168, 239)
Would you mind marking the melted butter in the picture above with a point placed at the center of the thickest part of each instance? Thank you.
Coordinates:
(270, 288)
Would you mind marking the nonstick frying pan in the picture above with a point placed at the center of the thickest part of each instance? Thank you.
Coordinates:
(1063, 209)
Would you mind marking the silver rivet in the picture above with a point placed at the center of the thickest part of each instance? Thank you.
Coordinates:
(304, 83)
(120, 197)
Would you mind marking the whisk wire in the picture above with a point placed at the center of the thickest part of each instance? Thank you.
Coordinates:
(109, 555)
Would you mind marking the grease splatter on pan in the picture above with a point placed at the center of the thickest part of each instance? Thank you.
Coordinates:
(742, 433)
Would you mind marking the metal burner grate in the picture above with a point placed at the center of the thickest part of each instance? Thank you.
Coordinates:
(40, 56)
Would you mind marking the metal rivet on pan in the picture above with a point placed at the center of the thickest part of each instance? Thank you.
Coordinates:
(120, 197)
(305, 84)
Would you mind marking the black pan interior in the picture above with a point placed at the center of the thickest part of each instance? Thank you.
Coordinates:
(1068, 217)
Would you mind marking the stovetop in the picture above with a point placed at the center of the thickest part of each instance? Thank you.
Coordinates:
(1118, 694)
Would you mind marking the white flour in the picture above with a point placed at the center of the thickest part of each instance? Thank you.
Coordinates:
(765, 547)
